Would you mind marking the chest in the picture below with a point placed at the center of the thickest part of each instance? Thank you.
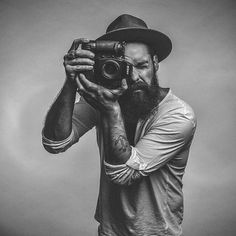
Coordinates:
(130, 129)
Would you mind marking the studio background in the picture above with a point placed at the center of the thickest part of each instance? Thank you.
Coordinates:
(44, 194)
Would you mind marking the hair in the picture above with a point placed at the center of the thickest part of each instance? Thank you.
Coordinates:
(151, 50)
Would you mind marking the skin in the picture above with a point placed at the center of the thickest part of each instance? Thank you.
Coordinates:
(58, 122)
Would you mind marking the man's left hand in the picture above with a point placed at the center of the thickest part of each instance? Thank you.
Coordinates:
(103, 99)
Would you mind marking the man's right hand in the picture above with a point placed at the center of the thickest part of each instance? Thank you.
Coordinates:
(78, 60)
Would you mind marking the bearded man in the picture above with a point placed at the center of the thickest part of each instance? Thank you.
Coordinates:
(144, 133)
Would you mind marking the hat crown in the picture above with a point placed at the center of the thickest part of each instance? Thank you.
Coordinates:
(129, 28)
(126, 21)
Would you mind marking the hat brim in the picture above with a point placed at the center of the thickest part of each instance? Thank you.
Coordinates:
(158, 41)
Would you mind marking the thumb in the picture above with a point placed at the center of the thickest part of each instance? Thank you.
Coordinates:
(119, 91)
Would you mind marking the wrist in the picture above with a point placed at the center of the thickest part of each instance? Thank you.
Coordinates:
(112, 116)
(70, 85)
(112, 111)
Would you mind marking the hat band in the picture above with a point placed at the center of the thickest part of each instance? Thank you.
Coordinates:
(127, 27)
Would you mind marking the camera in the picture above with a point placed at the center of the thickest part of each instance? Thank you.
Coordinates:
(110, 65)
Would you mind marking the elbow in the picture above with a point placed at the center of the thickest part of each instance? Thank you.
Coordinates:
(125, 178)
(52, 150)
(123, 174)
(55, 147)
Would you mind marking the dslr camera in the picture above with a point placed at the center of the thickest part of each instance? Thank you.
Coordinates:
(110, 65)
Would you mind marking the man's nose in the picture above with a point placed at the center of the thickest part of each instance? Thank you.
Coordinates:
(135, 76)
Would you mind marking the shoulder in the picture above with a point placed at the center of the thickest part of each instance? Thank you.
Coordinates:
(174, 107)
(175, 117)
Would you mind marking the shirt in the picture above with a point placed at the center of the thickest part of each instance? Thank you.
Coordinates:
(142, 197)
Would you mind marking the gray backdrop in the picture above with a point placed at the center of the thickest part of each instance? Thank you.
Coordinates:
(45, 194)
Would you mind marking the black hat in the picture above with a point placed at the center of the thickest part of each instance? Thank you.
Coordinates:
(132, 29)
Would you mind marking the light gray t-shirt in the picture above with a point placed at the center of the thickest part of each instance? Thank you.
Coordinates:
(142, 197)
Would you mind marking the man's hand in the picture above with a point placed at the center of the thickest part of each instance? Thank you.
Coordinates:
(103, 99)
(78, 60)
(58, 123)
(116, 145)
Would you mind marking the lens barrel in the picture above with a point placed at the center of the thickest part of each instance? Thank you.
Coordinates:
(104, 46)
(111, 69)
(110, 65)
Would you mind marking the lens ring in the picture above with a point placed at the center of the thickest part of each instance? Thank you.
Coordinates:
(110, 69)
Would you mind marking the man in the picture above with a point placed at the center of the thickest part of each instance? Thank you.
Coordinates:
(144, 133)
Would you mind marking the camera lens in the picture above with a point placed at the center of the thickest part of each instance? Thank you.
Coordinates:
(111, 69)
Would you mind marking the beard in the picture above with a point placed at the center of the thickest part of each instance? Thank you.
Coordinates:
(139, 100)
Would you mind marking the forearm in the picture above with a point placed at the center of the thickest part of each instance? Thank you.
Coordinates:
(58, 123)
(117, 147)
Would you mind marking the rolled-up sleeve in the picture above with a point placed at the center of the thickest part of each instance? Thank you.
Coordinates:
(57, 146)
(159, 145)
(84, 118)
(123, 174)
(162, 143)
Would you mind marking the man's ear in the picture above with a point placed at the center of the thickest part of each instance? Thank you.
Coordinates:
(155, 62)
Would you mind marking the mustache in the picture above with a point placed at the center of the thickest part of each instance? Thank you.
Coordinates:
(138, 86)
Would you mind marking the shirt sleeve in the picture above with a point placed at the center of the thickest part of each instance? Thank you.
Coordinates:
(122, 174)
(84, 118)
(158, 146)
(162, 143)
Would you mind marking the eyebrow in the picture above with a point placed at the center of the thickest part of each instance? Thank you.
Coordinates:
(140, 62)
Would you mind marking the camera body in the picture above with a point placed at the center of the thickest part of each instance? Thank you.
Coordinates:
(110, 65)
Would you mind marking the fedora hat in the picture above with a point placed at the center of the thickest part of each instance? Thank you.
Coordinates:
(133, 29)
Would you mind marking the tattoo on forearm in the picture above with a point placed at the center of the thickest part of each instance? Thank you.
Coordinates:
(121, 143)
(116, 144)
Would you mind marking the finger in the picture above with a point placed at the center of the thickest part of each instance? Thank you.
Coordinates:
(82, 90)
(70, 55)
(92, 101)
(81, 68)
(124, 84)
(84, 53)
(119, 91)
(88, 85)
(80, 53)
(81, 61)
(78, 68)
(80, 87)
(77, 42)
